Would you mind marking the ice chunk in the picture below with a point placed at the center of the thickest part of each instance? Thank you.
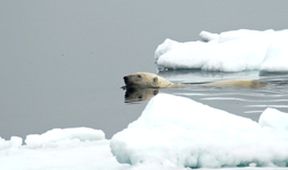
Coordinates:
(166, 46)
(89, 152)
(230, 51)
(234, 34)
(69, 135)
(14, 142)
(275, 119)
(208, 36)
(276, 58)
(177, 131)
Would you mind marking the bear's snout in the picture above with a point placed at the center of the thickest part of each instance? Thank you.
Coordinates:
(126, 79)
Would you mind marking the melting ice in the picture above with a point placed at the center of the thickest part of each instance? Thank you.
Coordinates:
(230, 51)
(177, 131)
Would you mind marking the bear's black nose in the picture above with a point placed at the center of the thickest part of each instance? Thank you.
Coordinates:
(125, 79)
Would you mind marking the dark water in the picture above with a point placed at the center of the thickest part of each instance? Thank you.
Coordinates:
(247, 102)
(62, 62)
(36, 103)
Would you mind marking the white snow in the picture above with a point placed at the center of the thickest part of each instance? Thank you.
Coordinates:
(230, 51)
(274, 119)
(59, 149)
(64, 149)
(173, 133)
(179, 132)
(56, 137)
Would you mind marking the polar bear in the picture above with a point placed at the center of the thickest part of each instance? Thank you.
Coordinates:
(147, 80)
(151, 80)
(251, 84)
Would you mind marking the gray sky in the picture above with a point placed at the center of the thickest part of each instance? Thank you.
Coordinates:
(62, 61)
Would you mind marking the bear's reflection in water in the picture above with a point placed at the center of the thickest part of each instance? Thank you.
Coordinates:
(134, 94)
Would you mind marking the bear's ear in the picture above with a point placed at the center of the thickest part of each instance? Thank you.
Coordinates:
(155, 81)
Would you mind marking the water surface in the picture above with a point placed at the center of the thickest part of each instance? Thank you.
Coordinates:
(62, 62)
(247, 102)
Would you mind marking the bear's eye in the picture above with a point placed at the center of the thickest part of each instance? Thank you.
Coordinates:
(139, 76)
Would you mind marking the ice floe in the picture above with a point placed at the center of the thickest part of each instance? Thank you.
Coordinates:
(66, 136)
(177, 131)
(172, 133)
(230, 51)
(59, 149)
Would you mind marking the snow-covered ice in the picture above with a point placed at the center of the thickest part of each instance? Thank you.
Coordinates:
(173, 133)
(230, 51)
(59, 149)
(177, 131)
(64, 149)
(58, 136)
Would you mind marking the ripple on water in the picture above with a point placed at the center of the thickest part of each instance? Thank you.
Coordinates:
(244, 102)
